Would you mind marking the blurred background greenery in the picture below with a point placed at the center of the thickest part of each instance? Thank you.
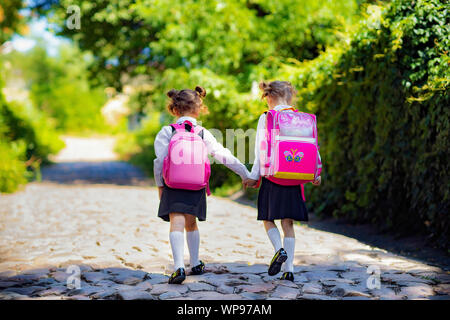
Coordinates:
(376, 73)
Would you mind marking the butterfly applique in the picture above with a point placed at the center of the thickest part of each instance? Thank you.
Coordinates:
(298, 157)
(289, 155)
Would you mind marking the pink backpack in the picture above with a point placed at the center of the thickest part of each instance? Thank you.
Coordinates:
(289, 153)
(187, 165)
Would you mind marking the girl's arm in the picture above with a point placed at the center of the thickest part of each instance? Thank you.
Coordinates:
(260, 131)
(161, 149)
(224, 156)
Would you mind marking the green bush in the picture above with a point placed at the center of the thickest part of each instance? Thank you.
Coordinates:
(137, 147)
(27, 137)
(59, 87)
(13, 171)
(32, 127)
(382, 105)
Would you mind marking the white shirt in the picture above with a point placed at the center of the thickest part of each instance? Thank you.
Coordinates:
(215, 149)
(260, 134)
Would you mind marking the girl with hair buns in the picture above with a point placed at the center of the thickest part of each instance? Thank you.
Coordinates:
(183, 207)
(277, 202)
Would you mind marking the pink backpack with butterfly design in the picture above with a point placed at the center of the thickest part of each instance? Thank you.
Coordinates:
(186, 165)
(289, 152)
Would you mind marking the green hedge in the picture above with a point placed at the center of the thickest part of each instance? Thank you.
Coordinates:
(26, 140)
(382, 102)
(13, 171)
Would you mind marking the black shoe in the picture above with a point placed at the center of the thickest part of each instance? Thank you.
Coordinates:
(198, 269)
(277, 260)
(178, 276)
(287, 276)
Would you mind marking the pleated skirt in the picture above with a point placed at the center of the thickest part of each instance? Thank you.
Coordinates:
(280, 202)
(182, 201)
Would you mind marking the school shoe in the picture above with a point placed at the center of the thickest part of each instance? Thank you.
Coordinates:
(198, 269)
(287, 276)
(178, 276)
(278, 259)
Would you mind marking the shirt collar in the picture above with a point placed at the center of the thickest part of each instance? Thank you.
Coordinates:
(190, 119)
(280, 107)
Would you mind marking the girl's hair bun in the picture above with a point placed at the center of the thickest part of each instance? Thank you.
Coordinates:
(277, 89)
(201, 91)
(172, 93)
(264, 85)
(265, 88)
(186, 101)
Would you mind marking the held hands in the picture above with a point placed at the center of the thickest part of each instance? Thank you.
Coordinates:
(249, 183)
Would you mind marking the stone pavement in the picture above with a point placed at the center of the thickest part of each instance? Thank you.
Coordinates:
(60, 240)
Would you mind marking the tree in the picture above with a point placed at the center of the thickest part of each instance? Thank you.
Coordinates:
(228, 37)
(10, 19)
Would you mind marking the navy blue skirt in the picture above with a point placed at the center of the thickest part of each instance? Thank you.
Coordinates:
(182, 201)
(280, 202)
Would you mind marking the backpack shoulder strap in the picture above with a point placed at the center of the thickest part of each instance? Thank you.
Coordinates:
(270, 116)
(188, 126)
(270, 125)
(177, 127)
(199, 130)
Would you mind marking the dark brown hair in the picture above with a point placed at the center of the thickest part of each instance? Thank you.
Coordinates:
(186, 101)
(278, 89)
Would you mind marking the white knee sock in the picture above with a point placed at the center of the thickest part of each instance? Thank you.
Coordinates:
(275, 238)
(289, 246)
(193, 241)
(177, 244)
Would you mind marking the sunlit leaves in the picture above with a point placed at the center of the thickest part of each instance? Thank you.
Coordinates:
(11, 20)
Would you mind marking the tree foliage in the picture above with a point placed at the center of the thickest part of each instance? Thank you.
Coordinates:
(58, 86)
(10, 19)
(27, 137)
(228, 37)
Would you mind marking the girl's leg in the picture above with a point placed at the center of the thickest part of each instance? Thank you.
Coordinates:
(177, 223)
(273, 233)
(193, 239)
(289, 243)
